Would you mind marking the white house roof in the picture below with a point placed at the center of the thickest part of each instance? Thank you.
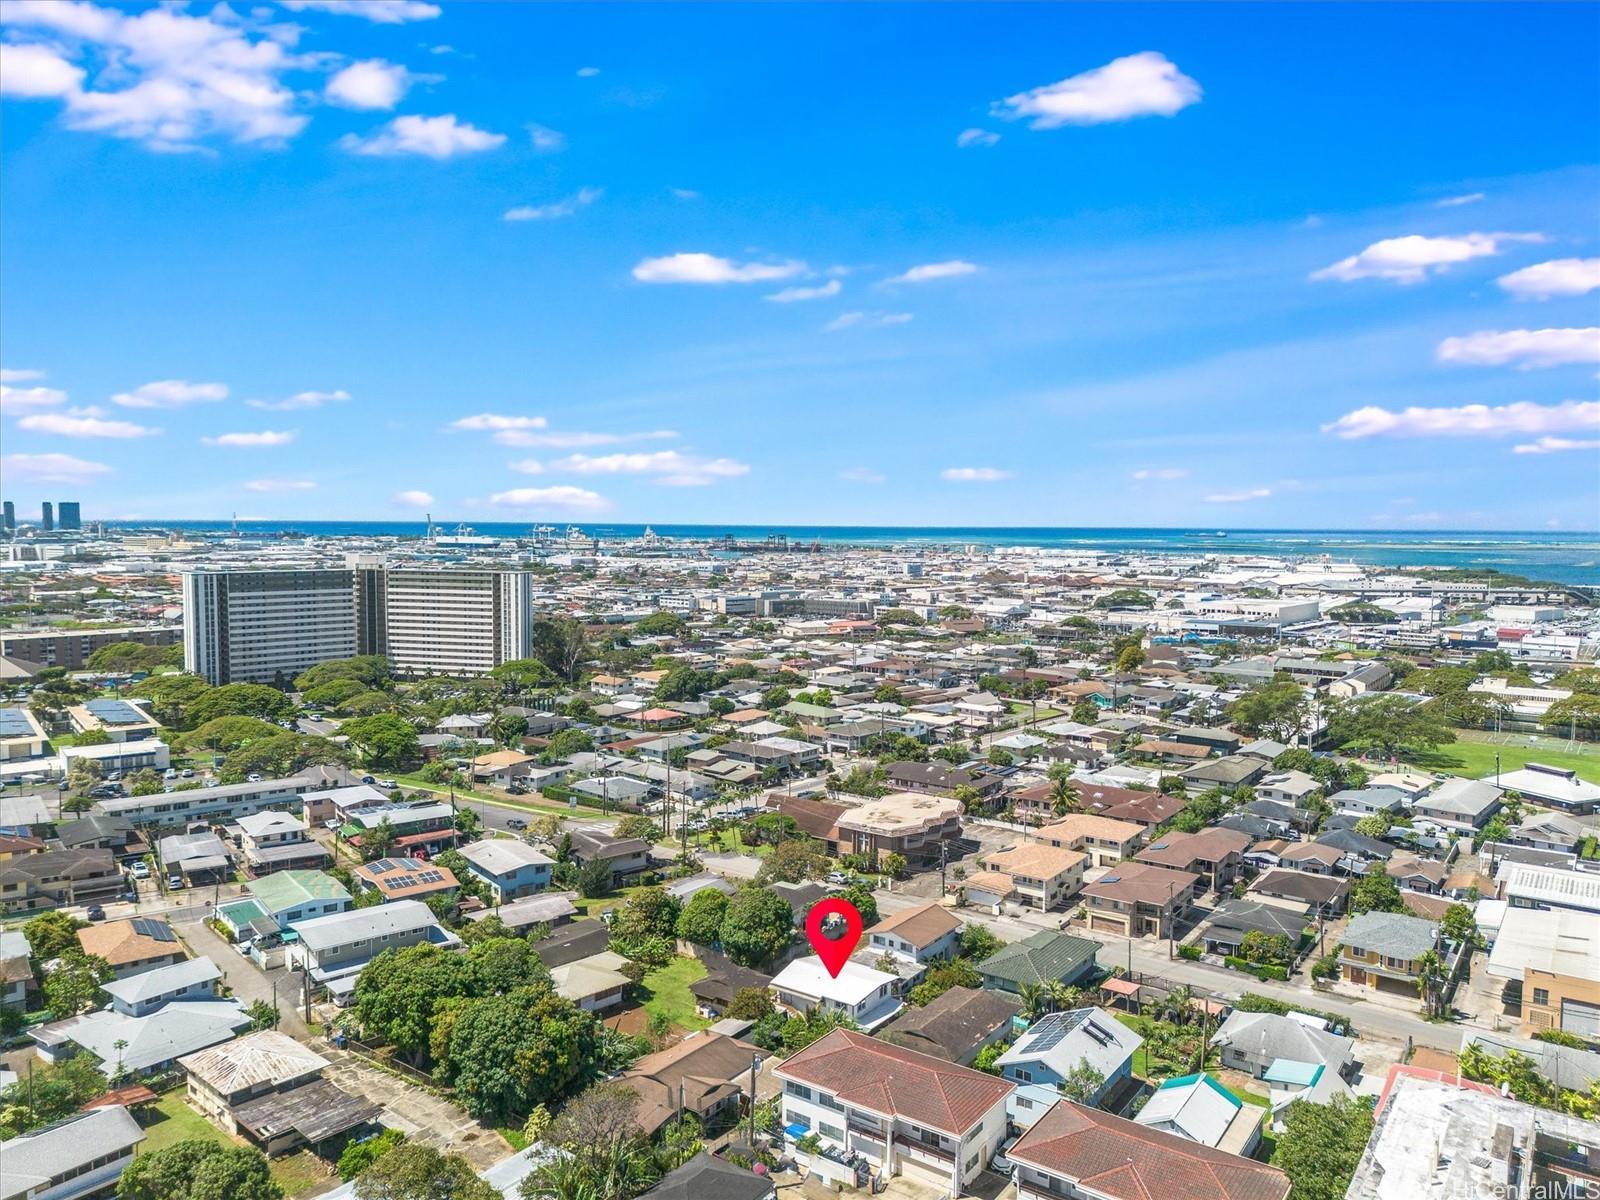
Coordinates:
(1560, 940)
(34, 1159)
(179, 1028)
(338, 929)
(265, 1057)
(1196, 1106)
(264, 824)
(808, 977)
(1539, 782)
(136, 989)
(501, 856)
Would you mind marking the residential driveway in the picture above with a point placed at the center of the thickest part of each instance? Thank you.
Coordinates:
(248, 981)
(422, 1117)
(739, 866)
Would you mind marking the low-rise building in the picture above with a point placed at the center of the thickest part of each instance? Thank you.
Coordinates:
(1383, 950)
(1199, 1109)
(1045, 957)
(956, 1025)
(906, 823)
(1086, 1050)
(1104, 839)
(1079, 1152)
(29, 882)
(132, 946)
(1217, 854)
(906, 1113)
(867, 996)
(1549, 963)
(1140, 900)
(335, 948)
(82, 1155)
(278, 841)
(142, 994)
(1042, 876)
(510, 869)
(406, 879)
(918, 935)
(1254, 1042)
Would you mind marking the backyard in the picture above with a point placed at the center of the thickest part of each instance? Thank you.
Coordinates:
(666, 991)
(170, 1120)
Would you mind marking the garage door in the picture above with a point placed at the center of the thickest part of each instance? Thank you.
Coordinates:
(920, 1172)
(1581, 1019)
(1109, 924)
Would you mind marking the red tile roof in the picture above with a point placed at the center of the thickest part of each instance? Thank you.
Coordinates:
(1125, 1160)
(893, 1081)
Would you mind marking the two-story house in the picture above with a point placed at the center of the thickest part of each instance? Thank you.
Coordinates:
(82, 1155)
(1136, 899)
(142, 994)
(1087, 1050)
(1382, 950)
(1043, 877)
(510, 869)
(277, 841)
(289, 897)
(133, 946)
(918, 935)
(335, 948)
(1079, 1153)
(906, 1114)
(1217, 854)
(1104, 839)
(867, 996)
(58, 877)
(627, 856)
(1044, 957)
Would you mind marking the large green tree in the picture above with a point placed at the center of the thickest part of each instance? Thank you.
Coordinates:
(509, 1053)
(198, 1169)
(397, 992)
(1321, 1145)
(384, 740)
(700, 921)
(412, 1171)
(757, 925)
(52, 934)
(240, 700)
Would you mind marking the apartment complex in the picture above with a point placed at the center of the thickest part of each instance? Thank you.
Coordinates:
(268, 626)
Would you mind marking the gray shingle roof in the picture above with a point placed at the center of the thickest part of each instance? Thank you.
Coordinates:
(1043, 957)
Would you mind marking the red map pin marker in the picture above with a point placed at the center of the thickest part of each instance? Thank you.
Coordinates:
(833, 927)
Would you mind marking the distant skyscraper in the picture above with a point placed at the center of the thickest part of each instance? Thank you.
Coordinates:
(10, 518)
(69, 514)
(47, 517)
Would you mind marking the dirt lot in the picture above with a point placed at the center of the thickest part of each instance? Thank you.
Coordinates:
(423, 1117)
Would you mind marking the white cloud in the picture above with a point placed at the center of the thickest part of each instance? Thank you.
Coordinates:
(546, 140)
(264, 437)
(379, 12)
(976, 137)
(84, 424)
(672, 468)
(369, 84)
(415, 497)
(1412, 258)
(528, 466)
(301, 400)
(1239, 497)
(791, 294)
(708, 268)
(862, 475)
(1138, 85)
(493, 422)
(1162, 473)
(564, 498)
(928, 272)
(438, 138)
(866, 320)
(164, 77)
(582, 198)
(1458, 201)
(171, 393)
(15, 400)
(975, 474)
(1523, 348)
(1556, 445)
(280, 485)
(1468, 420)
(579, 440)
(36, 72)
(15, 375)
(1558, 277)
(588, 72)
(52, 468)
(684, 193)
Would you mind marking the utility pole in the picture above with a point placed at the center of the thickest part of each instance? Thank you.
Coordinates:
(755, 1065)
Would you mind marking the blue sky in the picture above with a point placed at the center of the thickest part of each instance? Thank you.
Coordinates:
(1296, 266)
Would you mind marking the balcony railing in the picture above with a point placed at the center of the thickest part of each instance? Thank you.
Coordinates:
(866, 1131)
(924, 1148)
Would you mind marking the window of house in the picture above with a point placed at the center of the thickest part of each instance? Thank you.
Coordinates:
(1541, 995)
(797, 1089)
(831, 1132)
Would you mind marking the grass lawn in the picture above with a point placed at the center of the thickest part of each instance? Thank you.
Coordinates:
(593, 906)
(1475, 759)
(666, 991)
(519, 803)
(170, 1120)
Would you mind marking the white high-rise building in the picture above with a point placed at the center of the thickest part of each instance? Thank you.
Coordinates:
(456, 620)
(265, 626)
(268, 626)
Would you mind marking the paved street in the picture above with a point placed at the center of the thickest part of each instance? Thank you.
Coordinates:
(1386, 1018)
(249, 982)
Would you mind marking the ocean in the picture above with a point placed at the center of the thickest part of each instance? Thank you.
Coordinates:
(1572, 558)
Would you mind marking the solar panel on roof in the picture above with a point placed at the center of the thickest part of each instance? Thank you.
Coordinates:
(115, 712)
(152, 928)
(403, 881)
(431, 876)
(14, 723)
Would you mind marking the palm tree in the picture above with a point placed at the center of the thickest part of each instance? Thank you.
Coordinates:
(1176, 1007)
(1063, 797)
(1033, 1000)
(1063, 997)
(1432, 983)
